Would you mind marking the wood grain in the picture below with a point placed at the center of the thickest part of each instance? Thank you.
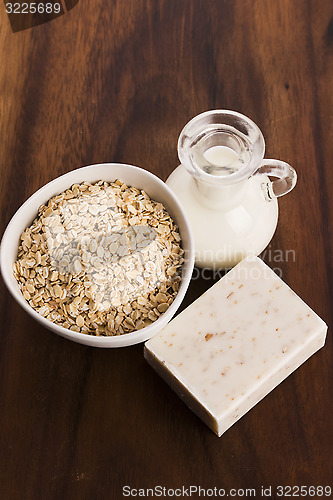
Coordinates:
(117, 81)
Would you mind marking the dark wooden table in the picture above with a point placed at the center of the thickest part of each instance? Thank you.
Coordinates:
(117, 81)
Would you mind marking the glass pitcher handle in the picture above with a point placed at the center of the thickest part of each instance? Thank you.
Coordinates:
(286, 178)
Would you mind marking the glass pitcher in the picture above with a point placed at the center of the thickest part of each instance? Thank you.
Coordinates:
(224, 186)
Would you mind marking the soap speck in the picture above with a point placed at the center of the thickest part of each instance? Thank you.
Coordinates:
(240, 286)
(229, 294)
(170, 345)
(208, 336)
(276, 329)
(284, 349)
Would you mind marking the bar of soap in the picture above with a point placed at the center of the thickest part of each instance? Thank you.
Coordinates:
(235, 343)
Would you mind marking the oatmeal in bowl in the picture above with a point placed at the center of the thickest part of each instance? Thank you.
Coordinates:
(104, 255)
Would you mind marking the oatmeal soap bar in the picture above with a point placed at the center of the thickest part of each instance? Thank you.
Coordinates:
(235, 343)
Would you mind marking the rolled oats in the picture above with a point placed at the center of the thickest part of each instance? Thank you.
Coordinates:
(100, 259)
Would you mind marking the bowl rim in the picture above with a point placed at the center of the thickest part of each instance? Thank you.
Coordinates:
(122, 340)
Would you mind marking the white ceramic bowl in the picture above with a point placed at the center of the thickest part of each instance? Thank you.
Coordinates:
(132, 176)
